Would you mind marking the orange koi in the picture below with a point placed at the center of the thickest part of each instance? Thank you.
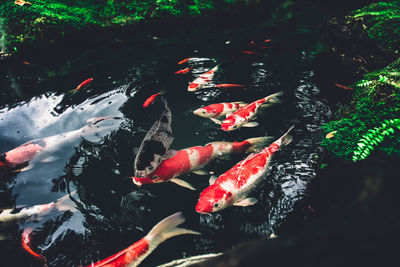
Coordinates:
(184, 60)
(152, 98)
(184, 71)
(83, 84)
(224, 85)
(267, 40)
(250, 53)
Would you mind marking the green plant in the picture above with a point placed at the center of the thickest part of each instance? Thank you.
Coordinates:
(373, 137)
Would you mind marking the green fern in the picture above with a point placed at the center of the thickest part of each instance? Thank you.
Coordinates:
(373, 137)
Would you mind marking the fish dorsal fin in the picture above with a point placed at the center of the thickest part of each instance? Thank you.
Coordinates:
(182, 183)
(212, 180)
(246, 202)
(169, 154)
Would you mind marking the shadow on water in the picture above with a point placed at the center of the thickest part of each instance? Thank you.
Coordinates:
(110, 212)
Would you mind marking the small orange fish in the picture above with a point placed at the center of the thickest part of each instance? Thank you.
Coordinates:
(83, 84)
(184, 71)
(152, 98)
(331, 134)
(267, 40)
(252, 43)
(224, 85)
(344, 87)
(26, 63)
(25, 240)
(250, 53)
(22, 3)
(184, 60)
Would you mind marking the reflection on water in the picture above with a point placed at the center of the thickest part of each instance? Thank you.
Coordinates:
(109, 212)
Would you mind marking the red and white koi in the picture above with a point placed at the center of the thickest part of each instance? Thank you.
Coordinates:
(202, 80)
(234, 186)
(193, 159)
(218, 110)
(9, 216)
(83, 84)
(138, 251)
(40, 150)
(244, 115)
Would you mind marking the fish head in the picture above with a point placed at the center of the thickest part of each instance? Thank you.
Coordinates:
(232, 123)
(193, 87)
(213, 199)
(161, 174)
(205, 113)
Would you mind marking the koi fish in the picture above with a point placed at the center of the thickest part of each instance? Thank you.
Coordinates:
(152, 99)
(234, 186)
(250, 53)
(138, 251)
(344, 87)
(193, 159)
(22, 3)
(227, 85)
(218, 110)
(155, 145)
(83, 84)
(25, 240)
(184, 60)
(202, 80)
(242, 116)
(9, 216)
(22, 158)
(267, 40)
(184, 71)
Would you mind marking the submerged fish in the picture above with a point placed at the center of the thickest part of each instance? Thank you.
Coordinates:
(244, 115)
(184, 71)
(218, 110)
(138, 251)
(41, 150)
(202, 80)
(193, 159)
(229, 85)
(83, 84)
(234, 186)
(184, 60)
(250, 53)
(155, 145)
(152, 99)
(9, 216)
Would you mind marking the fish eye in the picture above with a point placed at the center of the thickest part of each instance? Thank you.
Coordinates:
(203, 111)
(150, 168)
(154, 177)
(234, 126)
(215, 205)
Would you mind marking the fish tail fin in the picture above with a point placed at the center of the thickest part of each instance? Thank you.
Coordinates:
(167, 228)
(258, 143)
(162, 92)
(273, 98)
(286, 138)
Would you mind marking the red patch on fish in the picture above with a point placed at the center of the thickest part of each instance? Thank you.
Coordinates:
(83, 84)
(25, 240)
(184, 71)
(126, 256)
(214, 108)
(150, 100)
(193, 85)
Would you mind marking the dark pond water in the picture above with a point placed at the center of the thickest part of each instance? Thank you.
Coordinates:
(110, 212)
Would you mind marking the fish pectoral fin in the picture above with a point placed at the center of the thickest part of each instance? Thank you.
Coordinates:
(169, 154)
(246, 202)
(216, 121)
(212, 180)
(251, 124)
(200, 172)
(49, 159)
(182, 183)
(27, 168)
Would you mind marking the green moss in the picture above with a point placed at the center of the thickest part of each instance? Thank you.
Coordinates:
(46, 20)
(382, 22)
(376, 99)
